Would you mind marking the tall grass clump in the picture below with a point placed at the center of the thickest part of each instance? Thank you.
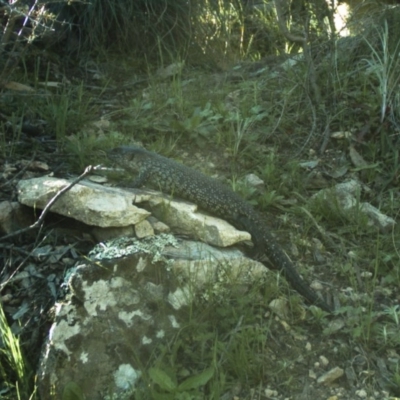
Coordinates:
(14, 371)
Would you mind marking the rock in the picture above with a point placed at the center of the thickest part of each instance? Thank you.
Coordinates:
(343, 195)
(203, 263)
(317, 286)
(158, 226)
(324, 361)
(269, 393)
(346, 196)
(170, 70)
(144, 229)
(184, 218)
(103, 234)
(112, 207)
(34, 165)
(362, 394)
(13, 217)
(330, 376)
(97, 179)
(106, 331)
(119, 310)
(254, 181)
(279, 307)
(382, 221)
(86, 202)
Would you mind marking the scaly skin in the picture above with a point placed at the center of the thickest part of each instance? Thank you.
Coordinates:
(173, 178)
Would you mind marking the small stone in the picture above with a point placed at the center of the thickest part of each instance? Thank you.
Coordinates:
(286, 326)
(35, 165)
(309, 164)
(104, 234)
(254, 181)
(316, 286)
(270, 393)
(312, 374)
(97, 178)
(144, 229)
(335, 325)
(351, 254)
(170, 70)
(361, 393)
(376, 218)
(279, 307)
(102, 124)
(158, 226)
(324, 361)
(366, 274)
(341, 135)
(330, 376)
(308, 346)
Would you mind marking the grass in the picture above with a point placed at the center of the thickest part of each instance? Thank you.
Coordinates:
(384, 64)
(223, 344)
(254, 124)
(14, 370)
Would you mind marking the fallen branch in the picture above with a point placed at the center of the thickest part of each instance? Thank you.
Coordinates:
(45, 210)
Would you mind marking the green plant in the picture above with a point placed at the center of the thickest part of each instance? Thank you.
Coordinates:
(20, 27)
(200, 124)
(169, 389)
(83, 147)
(14, 370)
(66, 111)
(244, 190)
(72, 391)
(9, 145)
(241, 127)
(385, 66)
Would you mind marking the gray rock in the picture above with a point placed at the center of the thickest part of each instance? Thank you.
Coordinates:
(118, 310)
(86, 201)
(346, 196)
(13, 217)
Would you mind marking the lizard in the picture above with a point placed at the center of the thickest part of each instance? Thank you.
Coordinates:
(209, 194)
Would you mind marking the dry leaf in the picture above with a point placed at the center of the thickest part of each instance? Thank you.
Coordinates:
(18, 86)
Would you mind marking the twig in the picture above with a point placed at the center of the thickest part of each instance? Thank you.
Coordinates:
(21, 264)
(20, 172)
(37, 224)
(312, 130)
(319, 228)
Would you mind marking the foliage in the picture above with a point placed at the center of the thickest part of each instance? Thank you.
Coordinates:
(14, 371)
(186, 390)
(205, 362)
(242, 116)
(206, 31)
(66, 111)
(20, 26)
(115, 25)
(72, 391)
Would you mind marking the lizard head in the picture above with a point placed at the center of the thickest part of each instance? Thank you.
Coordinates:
(127, 156)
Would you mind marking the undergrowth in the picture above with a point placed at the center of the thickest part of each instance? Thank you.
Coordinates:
(262, 119)
(15, 372)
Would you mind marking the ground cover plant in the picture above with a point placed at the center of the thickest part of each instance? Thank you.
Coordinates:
(229, 88)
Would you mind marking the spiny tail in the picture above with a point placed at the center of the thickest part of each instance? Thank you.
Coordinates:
(282, 263)
(267, 249)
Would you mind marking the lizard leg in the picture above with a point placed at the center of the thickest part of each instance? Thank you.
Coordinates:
(140, 180)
